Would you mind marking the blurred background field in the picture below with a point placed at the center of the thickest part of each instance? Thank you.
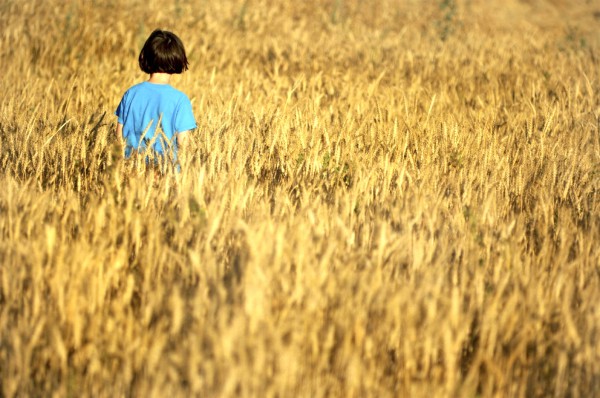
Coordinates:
(386, 199)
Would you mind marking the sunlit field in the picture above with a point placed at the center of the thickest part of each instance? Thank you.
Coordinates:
(384, 198)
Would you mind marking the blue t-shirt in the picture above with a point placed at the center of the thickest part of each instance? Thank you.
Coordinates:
(140, 110)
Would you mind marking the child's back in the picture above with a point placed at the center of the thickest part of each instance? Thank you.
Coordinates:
(140, 111)
(147, 104)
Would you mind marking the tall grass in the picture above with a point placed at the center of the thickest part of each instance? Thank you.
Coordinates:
(370, 209)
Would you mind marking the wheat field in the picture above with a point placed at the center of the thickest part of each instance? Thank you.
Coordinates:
(384, 199)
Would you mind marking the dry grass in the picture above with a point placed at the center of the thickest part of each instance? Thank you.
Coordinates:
(385, 199)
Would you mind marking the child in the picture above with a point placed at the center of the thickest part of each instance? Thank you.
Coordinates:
(146, 104)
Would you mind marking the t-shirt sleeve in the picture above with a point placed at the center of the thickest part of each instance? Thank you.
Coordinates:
(184, 118)
(120, 112)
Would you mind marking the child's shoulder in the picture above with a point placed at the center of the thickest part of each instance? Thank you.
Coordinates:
(137, 86)
(133, 89)
(177, 94)
(159, 90)
(177, 91)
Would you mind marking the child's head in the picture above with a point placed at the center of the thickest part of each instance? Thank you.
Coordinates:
(163, 52)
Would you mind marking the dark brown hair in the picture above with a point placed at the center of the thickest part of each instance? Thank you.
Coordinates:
(163, 52)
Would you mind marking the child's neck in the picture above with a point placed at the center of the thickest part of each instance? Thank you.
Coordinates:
(160, 78)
